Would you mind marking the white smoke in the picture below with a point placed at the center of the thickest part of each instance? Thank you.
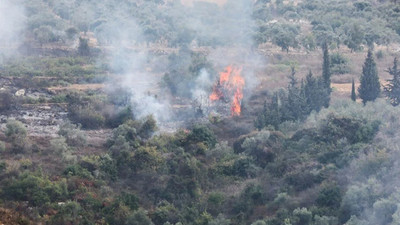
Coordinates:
(12, 22)
(202, 88)
(129, 59)
(230, 27)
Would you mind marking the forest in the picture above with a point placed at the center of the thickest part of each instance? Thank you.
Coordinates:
(199, 112)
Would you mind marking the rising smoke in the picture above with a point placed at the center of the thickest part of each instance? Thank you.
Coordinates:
(229, 26)
(129, 59)
(12, 22)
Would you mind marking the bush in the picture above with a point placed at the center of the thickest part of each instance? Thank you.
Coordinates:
(146, 158)
(77, 170)
(148, 127)
(302, 180)
(88, 117)
(354, 130)
(301, 216)
(2, 146)
(383, 211)
(165, 212)
(379, 54)
(203, 134)
(68, 213)
(214, 202)
(139, 217)
(130, 200)
(17, 135)
(72, 133)
(60, 147)
(35, 189)
(220, 220)
(329, 196)
(7, 101)
(83, 48)
(339, 64)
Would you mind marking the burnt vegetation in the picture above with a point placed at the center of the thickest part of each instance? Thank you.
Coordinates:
(168, 112)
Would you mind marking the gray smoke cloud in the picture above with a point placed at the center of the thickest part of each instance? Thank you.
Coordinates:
(12, 22)
(232, 28)
(226, 31)
(131, 62)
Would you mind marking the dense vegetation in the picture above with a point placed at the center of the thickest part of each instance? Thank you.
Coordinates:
(300, 154)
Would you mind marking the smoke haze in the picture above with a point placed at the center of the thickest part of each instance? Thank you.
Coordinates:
(12, 22)
(208, 24)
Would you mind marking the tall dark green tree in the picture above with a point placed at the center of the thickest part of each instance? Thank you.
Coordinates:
(353, 91)
(370, 87)
(326, 67)
(83, 49)
(296, 102)
(392, 89)
(316, 93)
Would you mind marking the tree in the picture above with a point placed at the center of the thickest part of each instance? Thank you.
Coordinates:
(316, 94)
(139, 217)
(83, 49)
(297, 103)
(355, 36)
(369, 88)
(285, 36)
(353, 91)
(392, 89)
(326, 68)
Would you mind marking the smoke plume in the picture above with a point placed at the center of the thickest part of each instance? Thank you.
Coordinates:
(12, 22)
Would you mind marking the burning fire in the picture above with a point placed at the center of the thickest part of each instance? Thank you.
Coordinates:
(230, 88)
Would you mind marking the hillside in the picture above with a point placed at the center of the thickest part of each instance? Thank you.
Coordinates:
(228, 112)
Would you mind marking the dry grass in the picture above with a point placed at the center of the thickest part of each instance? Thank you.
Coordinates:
(78, 87)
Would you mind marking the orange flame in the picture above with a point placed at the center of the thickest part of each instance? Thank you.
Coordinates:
(230, 83)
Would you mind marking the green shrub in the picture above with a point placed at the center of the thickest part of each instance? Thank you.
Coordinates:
(379, 54)
(16, 133)
(220, 220)
(3, 166)
(77, 170)
(301, 216)
(139, 217)
(202, 134)
(7, 101)
(108, 166)
(68, 213)
(130, 200)
(146, 158)
(35, 189)
(72, 133)
(165, 212)
(354, 130)
(88, 117)
(2, 146)
(339, 64)
(302, 180)
(330, 196)
(149, 126)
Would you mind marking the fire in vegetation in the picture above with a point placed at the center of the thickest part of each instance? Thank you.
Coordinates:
(229, 88)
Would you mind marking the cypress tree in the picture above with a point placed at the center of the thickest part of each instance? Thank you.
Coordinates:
(392, 89)
(369, 83)
(316, 93)
(261, 119)
(296, 101)
(326, 67)
(353, 91)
